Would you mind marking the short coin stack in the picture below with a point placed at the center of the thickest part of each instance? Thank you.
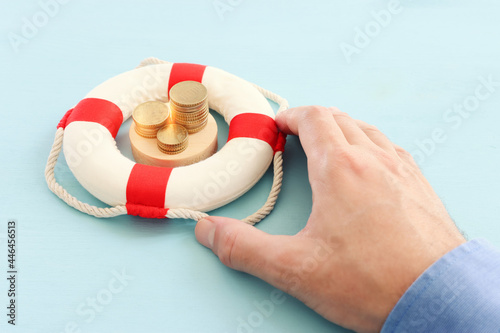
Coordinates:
(172, 139)
(189, 105)
(149, 117)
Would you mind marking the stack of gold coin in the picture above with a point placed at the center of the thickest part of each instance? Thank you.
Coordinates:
(172, 139)
(189, 105)
(149, 117)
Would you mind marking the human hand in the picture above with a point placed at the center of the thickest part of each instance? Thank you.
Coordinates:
(376, 224)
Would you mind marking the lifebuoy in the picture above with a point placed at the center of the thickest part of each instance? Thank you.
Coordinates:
(90, 148)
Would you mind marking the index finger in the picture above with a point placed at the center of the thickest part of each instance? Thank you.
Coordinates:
(317, 129)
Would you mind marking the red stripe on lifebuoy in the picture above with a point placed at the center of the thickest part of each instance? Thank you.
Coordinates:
(99, 111)
(146, 211)
(185, 72)
(64, 119)
(280, 143)
(254, 125)
(147, 185)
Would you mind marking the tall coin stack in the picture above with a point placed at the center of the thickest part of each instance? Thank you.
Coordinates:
(189, 105)
(149, 117)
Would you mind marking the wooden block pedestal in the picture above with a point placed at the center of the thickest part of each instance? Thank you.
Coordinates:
(201, 146)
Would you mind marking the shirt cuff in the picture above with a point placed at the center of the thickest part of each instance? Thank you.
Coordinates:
(458, 293)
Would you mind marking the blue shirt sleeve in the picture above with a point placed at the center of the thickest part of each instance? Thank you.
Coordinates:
(458, 293)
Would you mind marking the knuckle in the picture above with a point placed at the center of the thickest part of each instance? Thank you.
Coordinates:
(345, 156)
(404, 154)
(389, 160)
(334, 109)
(342, 116)
(367, 127)
(226, 243)
(351, 160)
(384, 155)
(371, 128)
(317, 111)
(400, 150)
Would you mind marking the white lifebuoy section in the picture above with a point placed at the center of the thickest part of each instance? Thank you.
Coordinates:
(90, 149)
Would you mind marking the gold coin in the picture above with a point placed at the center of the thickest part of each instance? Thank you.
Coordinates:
(197, 129)
(171, 149)
(172, 135)
(152, 114)
(180, 112)
(189, 106)
(190, 121)
(145, 134)
(188, 93)
(192, 125)
(201, 117)
(189, 109)
(172, 152)
(178, 109)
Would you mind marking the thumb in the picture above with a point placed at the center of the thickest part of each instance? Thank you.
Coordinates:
(246, 248)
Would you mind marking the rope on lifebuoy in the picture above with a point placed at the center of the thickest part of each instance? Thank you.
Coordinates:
(64, 195)
(181, 213)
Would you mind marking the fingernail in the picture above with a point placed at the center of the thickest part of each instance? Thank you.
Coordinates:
(205, 232)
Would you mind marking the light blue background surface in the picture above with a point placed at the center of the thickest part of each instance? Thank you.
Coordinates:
(428, 58)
